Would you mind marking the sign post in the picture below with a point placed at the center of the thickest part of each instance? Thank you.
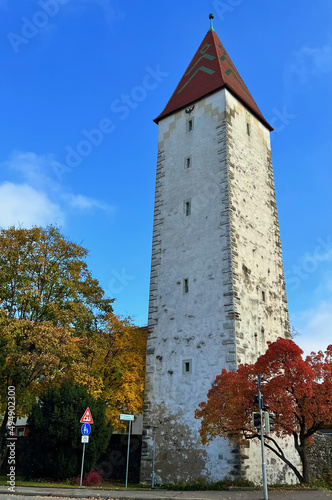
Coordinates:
(124, 416)
(86, 420)
(82, 465)
(153, 460)
(260, 400)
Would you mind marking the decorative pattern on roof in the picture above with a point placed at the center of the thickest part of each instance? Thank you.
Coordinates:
(211, 69)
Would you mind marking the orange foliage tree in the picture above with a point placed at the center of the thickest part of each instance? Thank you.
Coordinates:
(297, 391)
(117, 358)
(34, 356)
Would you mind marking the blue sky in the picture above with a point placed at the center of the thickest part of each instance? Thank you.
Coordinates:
(82, 80)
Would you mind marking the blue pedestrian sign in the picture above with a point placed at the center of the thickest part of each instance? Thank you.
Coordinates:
(86, 429)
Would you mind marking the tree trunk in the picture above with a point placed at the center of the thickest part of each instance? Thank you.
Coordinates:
(306, 468)
(301, 448)
(305, 463)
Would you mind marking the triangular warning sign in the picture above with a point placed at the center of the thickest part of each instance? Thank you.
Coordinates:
(87, 417)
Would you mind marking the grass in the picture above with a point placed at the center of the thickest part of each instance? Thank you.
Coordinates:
(202, 485)
(198, 485)
(42, 483)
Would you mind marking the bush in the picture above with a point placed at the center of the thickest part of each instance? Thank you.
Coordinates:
(54, 448)
(92, 478)
(202, 484)
(328, 479)
(324, 481)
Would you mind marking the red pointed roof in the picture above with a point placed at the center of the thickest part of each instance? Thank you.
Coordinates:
(211, 69)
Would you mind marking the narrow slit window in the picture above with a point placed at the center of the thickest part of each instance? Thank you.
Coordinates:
(187, 208)
(187, 162)
(186, 366)
(248, 128)
(190, 125)
(186, 285)
(263, 296)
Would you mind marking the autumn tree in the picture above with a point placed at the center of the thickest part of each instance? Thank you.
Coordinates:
(117, 357)
(45, 277)
(33, 357)
(297, 391)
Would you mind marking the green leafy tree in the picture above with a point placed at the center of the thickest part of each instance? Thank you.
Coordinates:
(54, 440)
(44, 277)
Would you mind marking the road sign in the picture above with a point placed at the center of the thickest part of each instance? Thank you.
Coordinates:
(86, 429)
(85, 439)
(87, 417)
(123, 416)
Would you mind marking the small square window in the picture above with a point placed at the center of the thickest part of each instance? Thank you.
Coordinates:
(186, 285)
(248, 128)
(186, 366)
(187, 208)
(187, 162)
(190, 124)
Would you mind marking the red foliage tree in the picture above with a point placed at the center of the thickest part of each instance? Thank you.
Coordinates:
(297, 391)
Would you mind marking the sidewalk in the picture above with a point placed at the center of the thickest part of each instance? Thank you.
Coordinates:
(31, 493)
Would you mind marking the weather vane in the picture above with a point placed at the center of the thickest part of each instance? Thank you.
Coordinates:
(211, 17)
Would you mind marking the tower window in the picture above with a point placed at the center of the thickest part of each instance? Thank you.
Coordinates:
(186, 285)
(263, 296)
(187, 208)
(248, 128)
(190, 124)
(186, 366)
(187, 162)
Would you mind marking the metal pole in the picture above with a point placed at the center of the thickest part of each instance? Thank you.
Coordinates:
(153, 459)
(127, 467)
(82, 465)
(266, 495)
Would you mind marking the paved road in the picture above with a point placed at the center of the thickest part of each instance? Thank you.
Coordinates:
(31, 493)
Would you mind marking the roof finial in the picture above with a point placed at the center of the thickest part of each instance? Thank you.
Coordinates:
(211, 17)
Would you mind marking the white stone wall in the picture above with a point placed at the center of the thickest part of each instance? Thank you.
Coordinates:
(256, 263)
(256, 249)
(228, 249)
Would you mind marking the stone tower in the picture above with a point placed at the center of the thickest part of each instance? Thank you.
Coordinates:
(217, 291)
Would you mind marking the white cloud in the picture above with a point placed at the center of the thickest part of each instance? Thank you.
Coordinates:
(309, 62)
(34, 168)
(38, 198)
(22, 204)
(81, 202)
(315, 327)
